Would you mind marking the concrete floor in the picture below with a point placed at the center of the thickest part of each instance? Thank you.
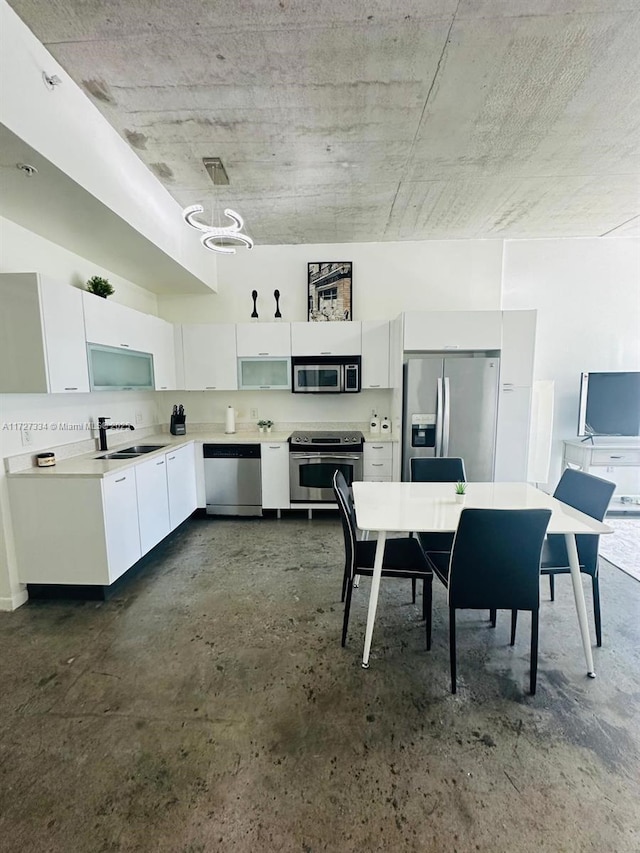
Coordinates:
(209, 707)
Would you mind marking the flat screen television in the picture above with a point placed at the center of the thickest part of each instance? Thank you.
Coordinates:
(609, 404)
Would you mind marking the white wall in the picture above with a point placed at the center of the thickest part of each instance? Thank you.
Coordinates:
(587, 293)
(388, 278)
(23, 251)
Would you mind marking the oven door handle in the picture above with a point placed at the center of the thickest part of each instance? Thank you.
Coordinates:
(324, 456)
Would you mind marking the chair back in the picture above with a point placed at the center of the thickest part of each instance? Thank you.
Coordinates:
(445, 469)
(495, 562)
(590, 495)
(347, 517)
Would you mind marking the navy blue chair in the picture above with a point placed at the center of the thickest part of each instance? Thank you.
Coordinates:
(444, 469)
(591, 495)
(494, 565)
(403, 557)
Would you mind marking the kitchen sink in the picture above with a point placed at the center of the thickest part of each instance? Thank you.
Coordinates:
(118, 455)
(143, 448)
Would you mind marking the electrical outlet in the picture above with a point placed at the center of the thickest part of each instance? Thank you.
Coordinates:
(26, 436)
(138, 417)
(253, 414)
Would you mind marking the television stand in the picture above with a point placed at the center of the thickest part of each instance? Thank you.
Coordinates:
(608, 453)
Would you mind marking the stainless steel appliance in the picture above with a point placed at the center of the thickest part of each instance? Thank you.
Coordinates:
(232, 479)
(326, 374)
(450, 409)
(313, 458)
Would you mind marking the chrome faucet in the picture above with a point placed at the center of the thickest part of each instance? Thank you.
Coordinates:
(103, 427)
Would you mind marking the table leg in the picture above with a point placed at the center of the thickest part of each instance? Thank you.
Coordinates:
(578, 594)
(373, 596)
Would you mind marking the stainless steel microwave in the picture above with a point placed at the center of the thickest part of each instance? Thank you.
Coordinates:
(325, 374)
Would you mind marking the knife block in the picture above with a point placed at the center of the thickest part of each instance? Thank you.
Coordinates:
(178, 425)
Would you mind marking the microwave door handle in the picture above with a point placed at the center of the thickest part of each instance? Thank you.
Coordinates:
(447, 418)
(439, 413)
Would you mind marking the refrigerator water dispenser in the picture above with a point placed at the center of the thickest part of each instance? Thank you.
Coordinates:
(423, 430)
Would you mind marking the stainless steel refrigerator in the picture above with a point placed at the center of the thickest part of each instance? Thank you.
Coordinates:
(450, 409)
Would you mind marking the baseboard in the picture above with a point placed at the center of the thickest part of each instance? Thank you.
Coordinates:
(16, 600)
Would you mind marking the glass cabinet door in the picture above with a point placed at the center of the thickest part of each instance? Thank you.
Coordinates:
(114, 369)
(266, 374)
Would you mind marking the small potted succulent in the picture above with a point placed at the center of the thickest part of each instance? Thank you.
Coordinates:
(265, 426)
(99, 286)
(461, 491)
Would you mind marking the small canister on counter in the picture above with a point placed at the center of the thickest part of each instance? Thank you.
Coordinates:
(45, 460)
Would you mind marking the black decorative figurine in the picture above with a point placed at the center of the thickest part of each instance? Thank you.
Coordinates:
(276, 293)
(254, 296)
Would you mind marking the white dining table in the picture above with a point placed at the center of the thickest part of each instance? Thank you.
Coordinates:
(385, 507)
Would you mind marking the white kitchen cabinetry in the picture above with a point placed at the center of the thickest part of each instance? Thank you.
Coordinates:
(209, 351)
(338, 338)
(264, 374)
(75, 530)
(263, 339)
(378, 461)
(42, 342)
(181, 484)
(512, 435)
(275, 475)
(121, 522)
(153, 502)
(114, 325)
(443, 330)
(163, 350)
(375, 354)
(518, 346)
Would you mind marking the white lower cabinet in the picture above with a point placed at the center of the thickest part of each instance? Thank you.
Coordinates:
(90, 530)
(181, 484)
(275, 475)
(153, 502)
(121, 522)
(378, 461)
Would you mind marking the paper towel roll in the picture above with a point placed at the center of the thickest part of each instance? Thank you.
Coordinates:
(230, 422)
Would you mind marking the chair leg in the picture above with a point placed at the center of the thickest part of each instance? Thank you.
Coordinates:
(552, 587)
(347, 610)
(345, 581)
(427, 593)
(595, 583)
(413, 590)
(514, 622)
(452, 646)
(534, 651)
(493, 615)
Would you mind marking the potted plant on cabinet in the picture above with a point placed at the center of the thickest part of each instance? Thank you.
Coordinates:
(99, 286)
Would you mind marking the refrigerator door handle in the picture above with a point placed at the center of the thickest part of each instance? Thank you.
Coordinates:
(439, 418)
(446, 418)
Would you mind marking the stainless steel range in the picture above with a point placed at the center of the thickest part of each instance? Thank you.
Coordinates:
(313, 458)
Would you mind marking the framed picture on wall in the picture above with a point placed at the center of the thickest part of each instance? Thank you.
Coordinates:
(329, 291)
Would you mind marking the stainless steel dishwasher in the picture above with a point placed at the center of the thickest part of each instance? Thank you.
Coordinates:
(232, 479)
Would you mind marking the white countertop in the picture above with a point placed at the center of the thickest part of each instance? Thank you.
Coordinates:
(88, 465)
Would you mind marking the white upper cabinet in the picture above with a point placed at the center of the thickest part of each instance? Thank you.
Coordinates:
(115, 325)
(518, 346)
(375, 354)
(209, 351)
(263, 339)
(338, 338)
(42, 343)
(442, 330)
(163, 350)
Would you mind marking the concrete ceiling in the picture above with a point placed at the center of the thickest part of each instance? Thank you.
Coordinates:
(340, 121)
